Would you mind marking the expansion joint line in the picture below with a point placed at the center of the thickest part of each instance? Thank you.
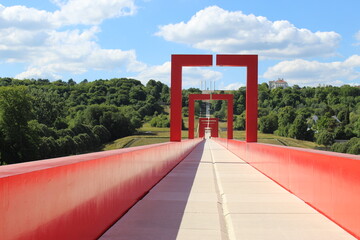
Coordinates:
(223, 209)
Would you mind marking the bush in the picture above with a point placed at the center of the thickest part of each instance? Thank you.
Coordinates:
(239, 123)
(352, 146)
(325, 138)
(268, 124)
(102, 132)
(354, 149)
(160, 121)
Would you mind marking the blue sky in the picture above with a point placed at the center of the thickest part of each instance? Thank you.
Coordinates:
(305, 42)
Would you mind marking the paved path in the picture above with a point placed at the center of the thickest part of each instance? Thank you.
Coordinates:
(212, 194)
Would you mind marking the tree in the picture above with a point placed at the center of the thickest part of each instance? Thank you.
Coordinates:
(268, 124)
(352, 146)
(222, 113)
(185, 111)
(286, 116)
(299, 129)
(17, 143)
(357, 127)
(325, 138)
(102, 133)
(47, 105)
(154, 88)
(165, 94)
(137, 93)
(239, 123)
(160, 121)
(327, 122)
(217, 105)
(344, 116)
(117, 124)
(354, 149)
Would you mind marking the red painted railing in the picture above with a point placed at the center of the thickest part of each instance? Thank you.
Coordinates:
(329, 182)
(80, 197)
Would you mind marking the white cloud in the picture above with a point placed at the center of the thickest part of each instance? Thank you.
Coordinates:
(71, 12)
(22, 17)
(92, 12)
(159, 73)
(312, 73)
(191, 76)
(357, 37)
(218, 30)
(40, 72)
(32, 36)
(75, 52)
(233, 86)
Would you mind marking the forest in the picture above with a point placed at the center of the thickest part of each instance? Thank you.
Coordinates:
(41, 119)
(327, 115)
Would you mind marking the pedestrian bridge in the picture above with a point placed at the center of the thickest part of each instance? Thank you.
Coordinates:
(194, 189)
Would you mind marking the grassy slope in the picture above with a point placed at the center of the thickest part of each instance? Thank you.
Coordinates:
(151, 135)
(147, 135)
(271, 139)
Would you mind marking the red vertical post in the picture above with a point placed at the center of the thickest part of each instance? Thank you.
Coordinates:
(230, 118)
(216, 129)
(177, 62)
(176, 94)
(252, 99)
(251, 62)
(191, 116)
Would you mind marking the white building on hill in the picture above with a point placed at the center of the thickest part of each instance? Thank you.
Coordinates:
(278, 83)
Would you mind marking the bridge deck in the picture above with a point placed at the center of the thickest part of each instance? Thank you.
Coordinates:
(213, 194)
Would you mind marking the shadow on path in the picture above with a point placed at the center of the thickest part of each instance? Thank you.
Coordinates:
(159, 214)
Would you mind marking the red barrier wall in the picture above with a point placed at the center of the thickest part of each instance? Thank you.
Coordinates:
(80, 197)
(329, 182)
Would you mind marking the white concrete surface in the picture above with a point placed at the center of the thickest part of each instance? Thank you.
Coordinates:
(212, 194)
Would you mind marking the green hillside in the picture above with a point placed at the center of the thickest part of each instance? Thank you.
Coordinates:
(150, 135)
(41, 119)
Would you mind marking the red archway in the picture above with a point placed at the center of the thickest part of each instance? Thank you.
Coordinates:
(248, 61)
(213, 123)
(228, 97)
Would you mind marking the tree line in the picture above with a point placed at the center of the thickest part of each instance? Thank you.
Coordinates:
(41, 119)
(326, 115)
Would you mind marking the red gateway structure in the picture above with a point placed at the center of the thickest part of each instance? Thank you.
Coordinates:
(227, 97)
(249, 61)
(212, 123)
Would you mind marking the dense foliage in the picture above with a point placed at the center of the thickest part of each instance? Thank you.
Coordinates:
(321, 114)
(42, 119)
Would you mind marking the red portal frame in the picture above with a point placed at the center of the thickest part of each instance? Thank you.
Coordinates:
(213, 123)
(249, 61)
(177, 62)
(228, 97)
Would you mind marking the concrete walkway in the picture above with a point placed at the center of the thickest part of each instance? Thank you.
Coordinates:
(212, 194)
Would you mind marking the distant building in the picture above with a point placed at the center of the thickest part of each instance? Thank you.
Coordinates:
(278, 83)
